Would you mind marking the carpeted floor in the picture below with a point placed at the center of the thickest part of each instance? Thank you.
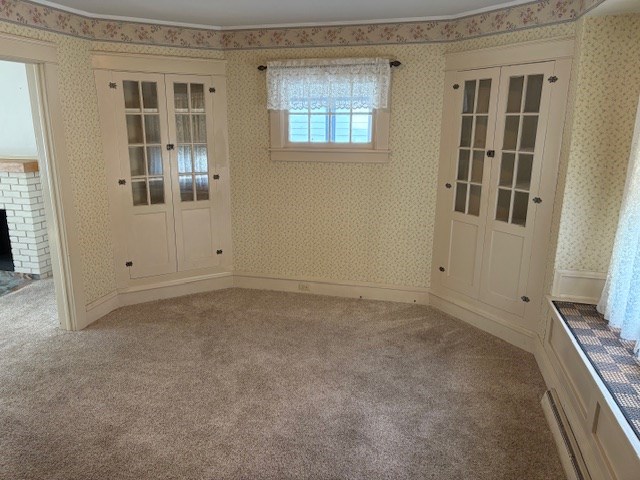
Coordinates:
(242, 384)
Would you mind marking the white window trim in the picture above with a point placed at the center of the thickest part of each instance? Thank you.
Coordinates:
(375, 152)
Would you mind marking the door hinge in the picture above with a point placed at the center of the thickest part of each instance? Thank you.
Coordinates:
(553, 79)
(536, 200)
(218, 252)
(525, 299)
(128, 264)
(122, 181)
(170, 146)
(216, 177)
(113, 85)
(212, 90)
(456, 86)
(491, 153)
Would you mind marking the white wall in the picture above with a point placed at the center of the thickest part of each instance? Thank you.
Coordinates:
(17, 137)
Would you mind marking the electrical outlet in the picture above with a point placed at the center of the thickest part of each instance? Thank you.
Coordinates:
(304, 287)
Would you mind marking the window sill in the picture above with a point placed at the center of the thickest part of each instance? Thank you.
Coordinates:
(333, 155)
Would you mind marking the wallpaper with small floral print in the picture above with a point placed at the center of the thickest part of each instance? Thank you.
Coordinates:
(355, 222)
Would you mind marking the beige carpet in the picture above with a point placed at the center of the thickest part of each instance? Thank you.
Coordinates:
(242, 384)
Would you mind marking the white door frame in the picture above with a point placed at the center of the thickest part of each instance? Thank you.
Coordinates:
(43, 77)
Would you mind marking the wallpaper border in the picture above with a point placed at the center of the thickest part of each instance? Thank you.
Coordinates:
(530, 15)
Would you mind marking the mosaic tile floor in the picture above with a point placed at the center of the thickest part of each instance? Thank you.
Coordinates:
(11, 281)
(610, 356)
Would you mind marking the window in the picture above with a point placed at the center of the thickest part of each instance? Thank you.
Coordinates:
(329, 110)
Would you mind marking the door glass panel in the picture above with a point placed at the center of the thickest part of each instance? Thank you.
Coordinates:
(136, 161)
(139, 191)
(150, 96)
(511, 126)
(191, 133)
(461, 197)
(534, 93)
(186, 188)
(197, 97)
(525, 164)
(477, 166)
(134, 129)
(156, 190)
(143, 131)
(481, 131)
(469, 96)
(484, 94)
(201, 159)
(529, 130)
(152, 128)
(180, 97)
(474, 200)
(514, 100)
(506, 169)
(520, 205)
(199, 129)
(463, 165)
(184, 159)
(154, 160)
(131, 95)
(504, 205)
(465, 134)
(183, 129)
(202, 187)
(473, 134)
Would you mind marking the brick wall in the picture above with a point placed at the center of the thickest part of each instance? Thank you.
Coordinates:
(21, 197)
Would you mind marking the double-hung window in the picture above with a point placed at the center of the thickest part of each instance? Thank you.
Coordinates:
(329, 110)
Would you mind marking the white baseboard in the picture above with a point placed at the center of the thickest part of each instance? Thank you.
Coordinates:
(370, 291)
(156, 291)
(578, 286)
(496, 326)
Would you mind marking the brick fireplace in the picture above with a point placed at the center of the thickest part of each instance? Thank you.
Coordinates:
(21, 199)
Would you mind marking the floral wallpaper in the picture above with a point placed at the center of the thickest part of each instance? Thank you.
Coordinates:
(534, 14)
(604, 108)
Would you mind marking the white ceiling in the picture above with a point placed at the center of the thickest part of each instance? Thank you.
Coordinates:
(246, 13)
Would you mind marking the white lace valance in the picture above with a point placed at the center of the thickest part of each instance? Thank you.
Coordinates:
(328, 83)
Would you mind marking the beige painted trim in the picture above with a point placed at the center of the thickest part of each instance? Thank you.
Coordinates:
(578, 286)
(485, 320)
(27, 50)
(319, 286)
(609, 446)
(43, 79)
(514, 54)
(127, 62)
(157, 291)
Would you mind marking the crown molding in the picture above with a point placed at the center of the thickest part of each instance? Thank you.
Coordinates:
(517, 17)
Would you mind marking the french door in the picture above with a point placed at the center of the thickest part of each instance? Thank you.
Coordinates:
(495, 158)
(165, 131)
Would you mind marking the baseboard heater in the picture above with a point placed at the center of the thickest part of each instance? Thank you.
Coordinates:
(570, 455)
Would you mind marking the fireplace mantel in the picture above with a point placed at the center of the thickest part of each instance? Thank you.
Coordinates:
(18, 165)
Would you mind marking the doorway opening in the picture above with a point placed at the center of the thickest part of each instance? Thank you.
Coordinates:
(24, 244)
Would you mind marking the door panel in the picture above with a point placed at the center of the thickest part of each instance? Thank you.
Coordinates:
(475, 102)
(144, 165)
(190, 110)
(524, 102)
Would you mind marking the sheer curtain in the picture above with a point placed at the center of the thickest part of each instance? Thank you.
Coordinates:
(620, 302)
(328, 83)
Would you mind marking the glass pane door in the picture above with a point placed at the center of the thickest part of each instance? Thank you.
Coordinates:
(471, 147)
(518, 146)
(191, 137)
(143, 137)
